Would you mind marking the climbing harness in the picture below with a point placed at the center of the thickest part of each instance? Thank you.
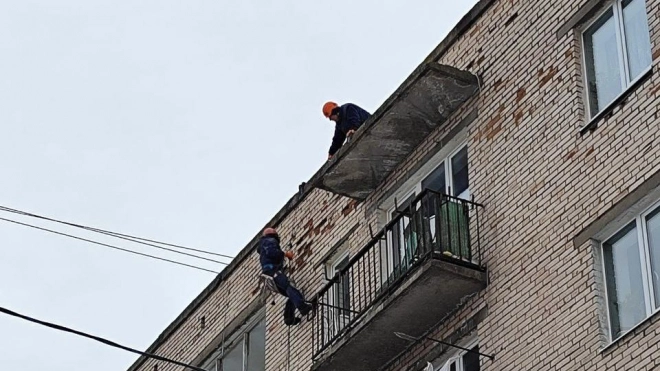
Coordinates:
(267, 284)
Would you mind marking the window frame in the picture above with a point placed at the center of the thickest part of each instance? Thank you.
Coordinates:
(414, 188)
(338, 319)
(332, 270)
(449, 176)
(646, 270)
(390, 240)
(413, 182)
(240, 337)
(457, 355)
(628, 84)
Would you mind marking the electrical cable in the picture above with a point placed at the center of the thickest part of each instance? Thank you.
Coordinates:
(114, 234)
(97, 338)
(108, 245)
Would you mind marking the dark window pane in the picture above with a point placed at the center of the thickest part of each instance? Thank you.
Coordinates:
(459, 174)
(436, 180)
(653, 231)
(602, 62)
(638, 42)
(471, 360)
(623, 274)
(400, 232)
(342, 288)
(395, 252)
(257, 348)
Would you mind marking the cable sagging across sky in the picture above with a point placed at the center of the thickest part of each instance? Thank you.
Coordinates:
(108, 245)
(96, 338)
(141, 240)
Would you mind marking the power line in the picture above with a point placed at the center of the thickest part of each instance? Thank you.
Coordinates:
(108, 245)
(97, 338)
(116, 234)
(112, 234)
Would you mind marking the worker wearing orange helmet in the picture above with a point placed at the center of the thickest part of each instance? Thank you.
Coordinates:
(271, 258)
(348, 118)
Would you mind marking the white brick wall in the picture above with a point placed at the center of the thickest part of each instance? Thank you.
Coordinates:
(541, 183)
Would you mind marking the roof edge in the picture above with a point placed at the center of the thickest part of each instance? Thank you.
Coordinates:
(229, 269)
(459, 30)
(305, 189)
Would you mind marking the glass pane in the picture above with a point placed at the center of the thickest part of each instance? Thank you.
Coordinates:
(459, 174)
(471, 360)
(233, 361)
(342, 292)
(436, 180)
(653, 230)
(623, 275)
(400, 234)
(397, 236)
(603, 67)
(215, 366)
(638, 42)
(257, 348)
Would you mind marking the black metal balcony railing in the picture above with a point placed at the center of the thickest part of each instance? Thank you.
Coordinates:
(434, 225)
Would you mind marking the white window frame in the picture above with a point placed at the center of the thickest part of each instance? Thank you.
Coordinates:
(414, 186)
(456, 356)
(332, 270)
(622, 55)
(390, 239)
(414, 182)
(449, 177)
(239, 337)
(335, 321)
(647, 279)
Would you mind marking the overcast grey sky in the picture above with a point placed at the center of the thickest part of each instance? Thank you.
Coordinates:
(190, 121)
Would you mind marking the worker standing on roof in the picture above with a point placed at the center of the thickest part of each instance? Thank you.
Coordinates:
(348, 118)
(271, 258)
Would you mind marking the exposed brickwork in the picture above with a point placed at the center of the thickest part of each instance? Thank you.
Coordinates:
(541, 183)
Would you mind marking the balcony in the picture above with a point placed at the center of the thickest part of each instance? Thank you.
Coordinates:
(410, 275)
(422, 104)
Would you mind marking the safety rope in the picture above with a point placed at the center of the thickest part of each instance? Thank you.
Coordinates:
(288, 348)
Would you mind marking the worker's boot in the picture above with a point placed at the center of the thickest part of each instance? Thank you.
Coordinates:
(306, 309)
(294, 322)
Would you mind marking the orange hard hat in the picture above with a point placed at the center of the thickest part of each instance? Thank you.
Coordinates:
(269, 230)
(328, 107)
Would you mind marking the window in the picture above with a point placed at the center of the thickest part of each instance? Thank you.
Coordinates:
(617, 51)
(463, 361)
(400, 237)
(631, 263)
(340, 295)
(245, 351)
(449, 175)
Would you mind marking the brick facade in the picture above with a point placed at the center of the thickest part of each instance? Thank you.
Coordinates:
(541, 182)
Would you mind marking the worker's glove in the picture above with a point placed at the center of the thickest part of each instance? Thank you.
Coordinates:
(289, 255)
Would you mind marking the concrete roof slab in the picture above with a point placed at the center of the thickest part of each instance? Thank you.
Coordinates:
(394, 131)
